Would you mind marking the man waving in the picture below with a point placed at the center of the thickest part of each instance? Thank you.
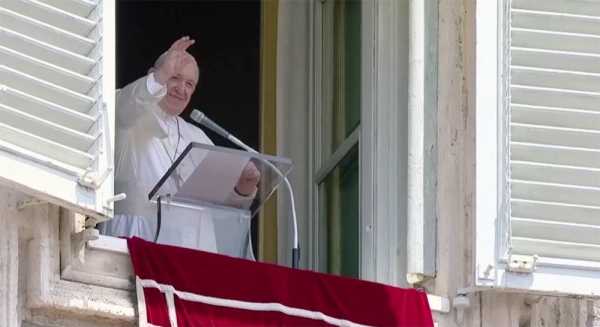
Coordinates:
(150, 136)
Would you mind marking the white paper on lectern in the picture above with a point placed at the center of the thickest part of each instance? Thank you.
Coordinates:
(214, 178)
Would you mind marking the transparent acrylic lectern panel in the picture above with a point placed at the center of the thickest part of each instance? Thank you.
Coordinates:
(210, 228)
(197, 205)
(206, 175)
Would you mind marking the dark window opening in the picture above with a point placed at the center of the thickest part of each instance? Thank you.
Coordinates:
(227, 48)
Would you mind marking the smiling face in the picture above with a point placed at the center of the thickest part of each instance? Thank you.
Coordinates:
(180, 88)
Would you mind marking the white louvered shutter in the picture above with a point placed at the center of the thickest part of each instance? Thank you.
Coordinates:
(555, 130)
(57, 101)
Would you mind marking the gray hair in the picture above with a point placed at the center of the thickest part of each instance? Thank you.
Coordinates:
(161, 60)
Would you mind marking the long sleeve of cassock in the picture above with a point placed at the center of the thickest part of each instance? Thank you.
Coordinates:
(238, 201)
(134, 100)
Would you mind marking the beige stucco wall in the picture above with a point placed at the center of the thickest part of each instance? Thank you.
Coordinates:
(29, 239)
(9, 274)
(456, 197)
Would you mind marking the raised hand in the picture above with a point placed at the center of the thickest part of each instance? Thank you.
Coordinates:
(175, 59)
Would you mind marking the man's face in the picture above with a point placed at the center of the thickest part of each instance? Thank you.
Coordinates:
(180, 89)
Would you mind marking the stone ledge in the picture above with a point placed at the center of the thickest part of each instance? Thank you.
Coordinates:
(104, 264)
(86, 301)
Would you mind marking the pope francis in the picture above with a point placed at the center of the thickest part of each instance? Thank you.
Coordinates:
(150, 136)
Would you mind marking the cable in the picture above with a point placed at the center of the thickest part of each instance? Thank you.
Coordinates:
(296, 249)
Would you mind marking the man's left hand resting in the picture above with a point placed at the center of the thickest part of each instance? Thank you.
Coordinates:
(249, 180)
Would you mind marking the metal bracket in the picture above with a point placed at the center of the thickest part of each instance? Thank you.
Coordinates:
(461, 303)
(117, 197)
(78, 240)
(29, 203)
(415, 279)
(522, 263)
(487, 273)
(90, 222)
(92, 182)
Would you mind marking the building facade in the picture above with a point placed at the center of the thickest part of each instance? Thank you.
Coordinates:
(452, 146)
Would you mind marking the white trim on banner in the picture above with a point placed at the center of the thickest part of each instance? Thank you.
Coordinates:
(141, 299)
(243, 305)
(171, 308)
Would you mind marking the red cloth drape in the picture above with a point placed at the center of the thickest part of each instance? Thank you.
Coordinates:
(206, 289)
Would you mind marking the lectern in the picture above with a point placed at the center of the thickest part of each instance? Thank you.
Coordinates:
(197, 196)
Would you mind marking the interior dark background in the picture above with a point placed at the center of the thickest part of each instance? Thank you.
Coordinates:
(227, 48)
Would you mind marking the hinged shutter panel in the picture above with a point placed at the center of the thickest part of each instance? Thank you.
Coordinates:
(56, 101)
(555, 129)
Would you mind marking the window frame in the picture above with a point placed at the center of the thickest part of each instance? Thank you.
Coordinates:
(492, 237)
(109, 86)
(321, 167)
(383, 167)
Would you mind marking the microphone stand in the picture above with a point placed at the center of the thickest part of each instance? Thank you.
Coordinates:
(201, 118)
(296, 248)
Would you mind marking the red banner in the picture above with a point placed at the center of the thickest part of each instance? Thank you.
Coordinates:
(183, 287)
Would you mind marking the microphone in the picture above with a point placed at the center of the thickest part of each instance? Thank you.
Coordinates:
(201, 119)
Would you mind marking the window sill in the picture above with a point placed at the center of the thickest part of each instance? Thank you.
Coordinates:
(119, 246)
(94, 284)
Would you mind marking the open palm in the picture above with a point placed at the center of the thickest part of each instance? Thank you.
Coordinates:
(175, 59)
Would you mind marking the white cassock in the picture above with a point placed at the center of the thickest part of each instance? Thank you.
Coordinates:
(148, 141)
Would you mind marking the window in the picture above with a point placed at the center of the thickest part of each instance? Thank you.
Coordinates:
(57, 102)
(359, 147)
(338, 121)
(539, 228)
